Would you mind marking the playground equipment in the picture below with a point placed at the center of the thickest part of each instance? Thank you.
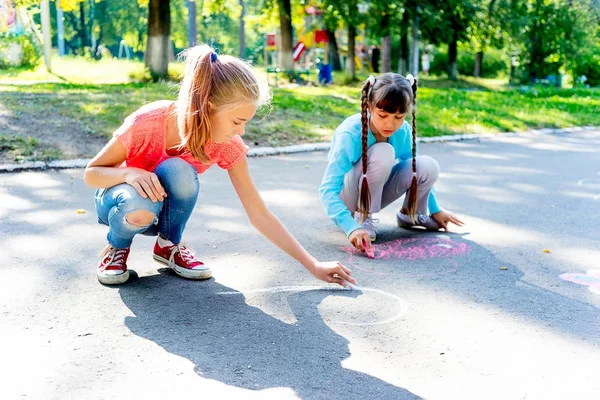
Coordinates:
(311, 44)
(298, 75)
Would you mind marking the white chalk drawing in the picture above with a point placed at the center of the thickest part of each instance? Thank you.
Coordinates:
(401, 308)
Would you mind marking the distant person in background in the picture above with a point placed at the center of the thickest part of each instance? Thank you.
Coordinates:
(375, 55)
(364, 58)
(425, 63)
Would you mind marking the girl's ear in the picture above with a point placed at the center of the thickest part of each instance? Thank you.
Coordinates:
(211, 107)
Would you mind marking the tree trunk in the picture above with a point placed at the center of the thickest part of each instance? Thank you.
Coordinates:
(192, 26)
(478, 64)
(414, 46)
(242, 30)
(60, 29)
(386, 45)
(351, 63)
(285, 26)
(452, 54)
(82, 35)
(386, 54)
(334, 55)
(404, 50)
(159, 31)
(93, 42)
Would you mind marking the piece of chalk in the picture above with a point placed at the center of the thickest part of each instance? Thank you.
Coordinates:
(368, 250)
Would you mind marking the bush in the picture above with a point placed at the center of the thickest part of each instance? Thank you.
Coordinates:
(495, 63)
(32, 54)
(588, 66)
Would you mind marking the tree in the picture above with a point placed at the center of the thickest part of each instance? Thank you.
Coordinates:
(547, 36)
(404, 49)
(192, 27)
(242, 29)
(159, 31)
(450, 24)
(486, 30)
(382, 18)
(285, 26)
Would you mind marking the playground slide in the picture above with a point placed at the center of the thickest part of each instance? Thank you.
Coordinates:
(298, 50)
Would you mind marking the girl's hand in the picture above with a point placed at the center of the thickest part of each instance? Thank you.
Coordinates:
(444, 216)
(146, 183)
(332, 272)
(359, 238)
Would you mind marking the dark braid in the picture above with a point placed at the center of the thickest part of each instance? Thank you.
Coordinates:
(412, 194)
(364, 198)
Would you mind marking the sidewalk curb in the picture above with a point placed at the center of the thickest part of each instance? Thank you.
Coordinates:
(300, 148)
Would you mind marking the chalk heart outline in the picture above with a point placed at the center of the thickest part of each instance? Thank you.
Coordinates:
(591, 280)
(401, 307)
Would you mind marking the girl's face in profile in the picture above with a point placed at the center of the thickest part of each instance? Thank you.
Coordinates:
(226, 124)
(385, 124)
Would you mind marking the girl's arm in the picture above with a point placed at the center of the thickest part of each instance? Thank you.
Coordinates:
(103, 172)
(272, 228)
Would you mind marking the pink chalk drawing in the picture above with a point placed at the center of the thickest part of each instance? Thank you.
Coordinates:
(591, 280)
(413, 249)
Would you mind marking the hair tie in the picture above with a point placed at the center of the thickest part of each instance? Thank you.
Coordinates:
(371, 80)
(213, 57)
(410, 79)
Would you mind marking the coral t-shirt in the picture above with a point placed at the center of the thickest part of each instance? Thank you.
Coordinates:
(144, 134)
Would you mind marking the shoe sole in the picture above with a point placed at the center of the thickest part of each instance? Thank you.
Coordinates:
(413, 227)
(113, 279)
(184, 272)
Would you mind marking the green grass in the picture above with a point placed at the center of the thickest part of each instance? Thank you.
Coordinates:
(26, 148)
(81, 70)
(299, 113)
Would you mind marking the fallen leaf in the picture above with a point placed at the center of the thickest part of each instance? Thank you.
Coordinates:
(504, 268)
(546, 251)
(81, 211)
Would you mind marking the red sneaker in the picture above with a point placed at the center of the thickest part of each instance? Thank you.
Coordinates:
(112, 269)
(182, 260)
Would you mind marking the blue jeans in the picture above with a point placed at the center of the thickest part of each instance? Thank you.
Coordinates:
(180, 181)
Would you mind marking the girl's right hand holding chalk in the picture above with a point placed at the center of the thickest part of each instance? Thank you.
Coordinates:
(332, 272)
(360, 240)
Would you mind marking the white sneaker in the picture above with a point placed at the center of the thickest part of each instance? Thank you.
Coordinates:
(423, 220)
(368, 225)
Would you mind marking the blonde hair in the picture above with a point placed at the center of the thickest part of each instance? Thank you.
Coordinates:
(224, 81)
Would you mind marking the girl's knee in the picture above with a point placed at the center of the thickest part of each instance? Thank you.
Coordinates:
(140, 218)
(381, 156)
(427, 168)
(178, 177)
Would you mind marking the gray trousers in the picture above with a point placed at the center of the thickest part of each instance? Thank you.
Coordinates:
(389, 181)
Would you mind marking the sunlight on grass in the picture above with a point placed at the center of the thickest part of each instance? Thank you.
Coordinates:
(77, 93)
(73, 69)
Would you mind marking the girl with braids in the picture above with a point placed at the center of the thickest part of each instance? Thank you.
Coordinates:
(373, 161)
(147, 175)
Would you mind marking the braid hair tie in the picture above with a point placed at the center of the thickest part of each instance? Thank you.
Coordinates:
(410, 79)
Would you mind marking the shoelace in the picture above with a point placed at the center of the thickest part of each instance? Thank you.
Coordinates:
(186, 254)
(371, 222)
(117, 256)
